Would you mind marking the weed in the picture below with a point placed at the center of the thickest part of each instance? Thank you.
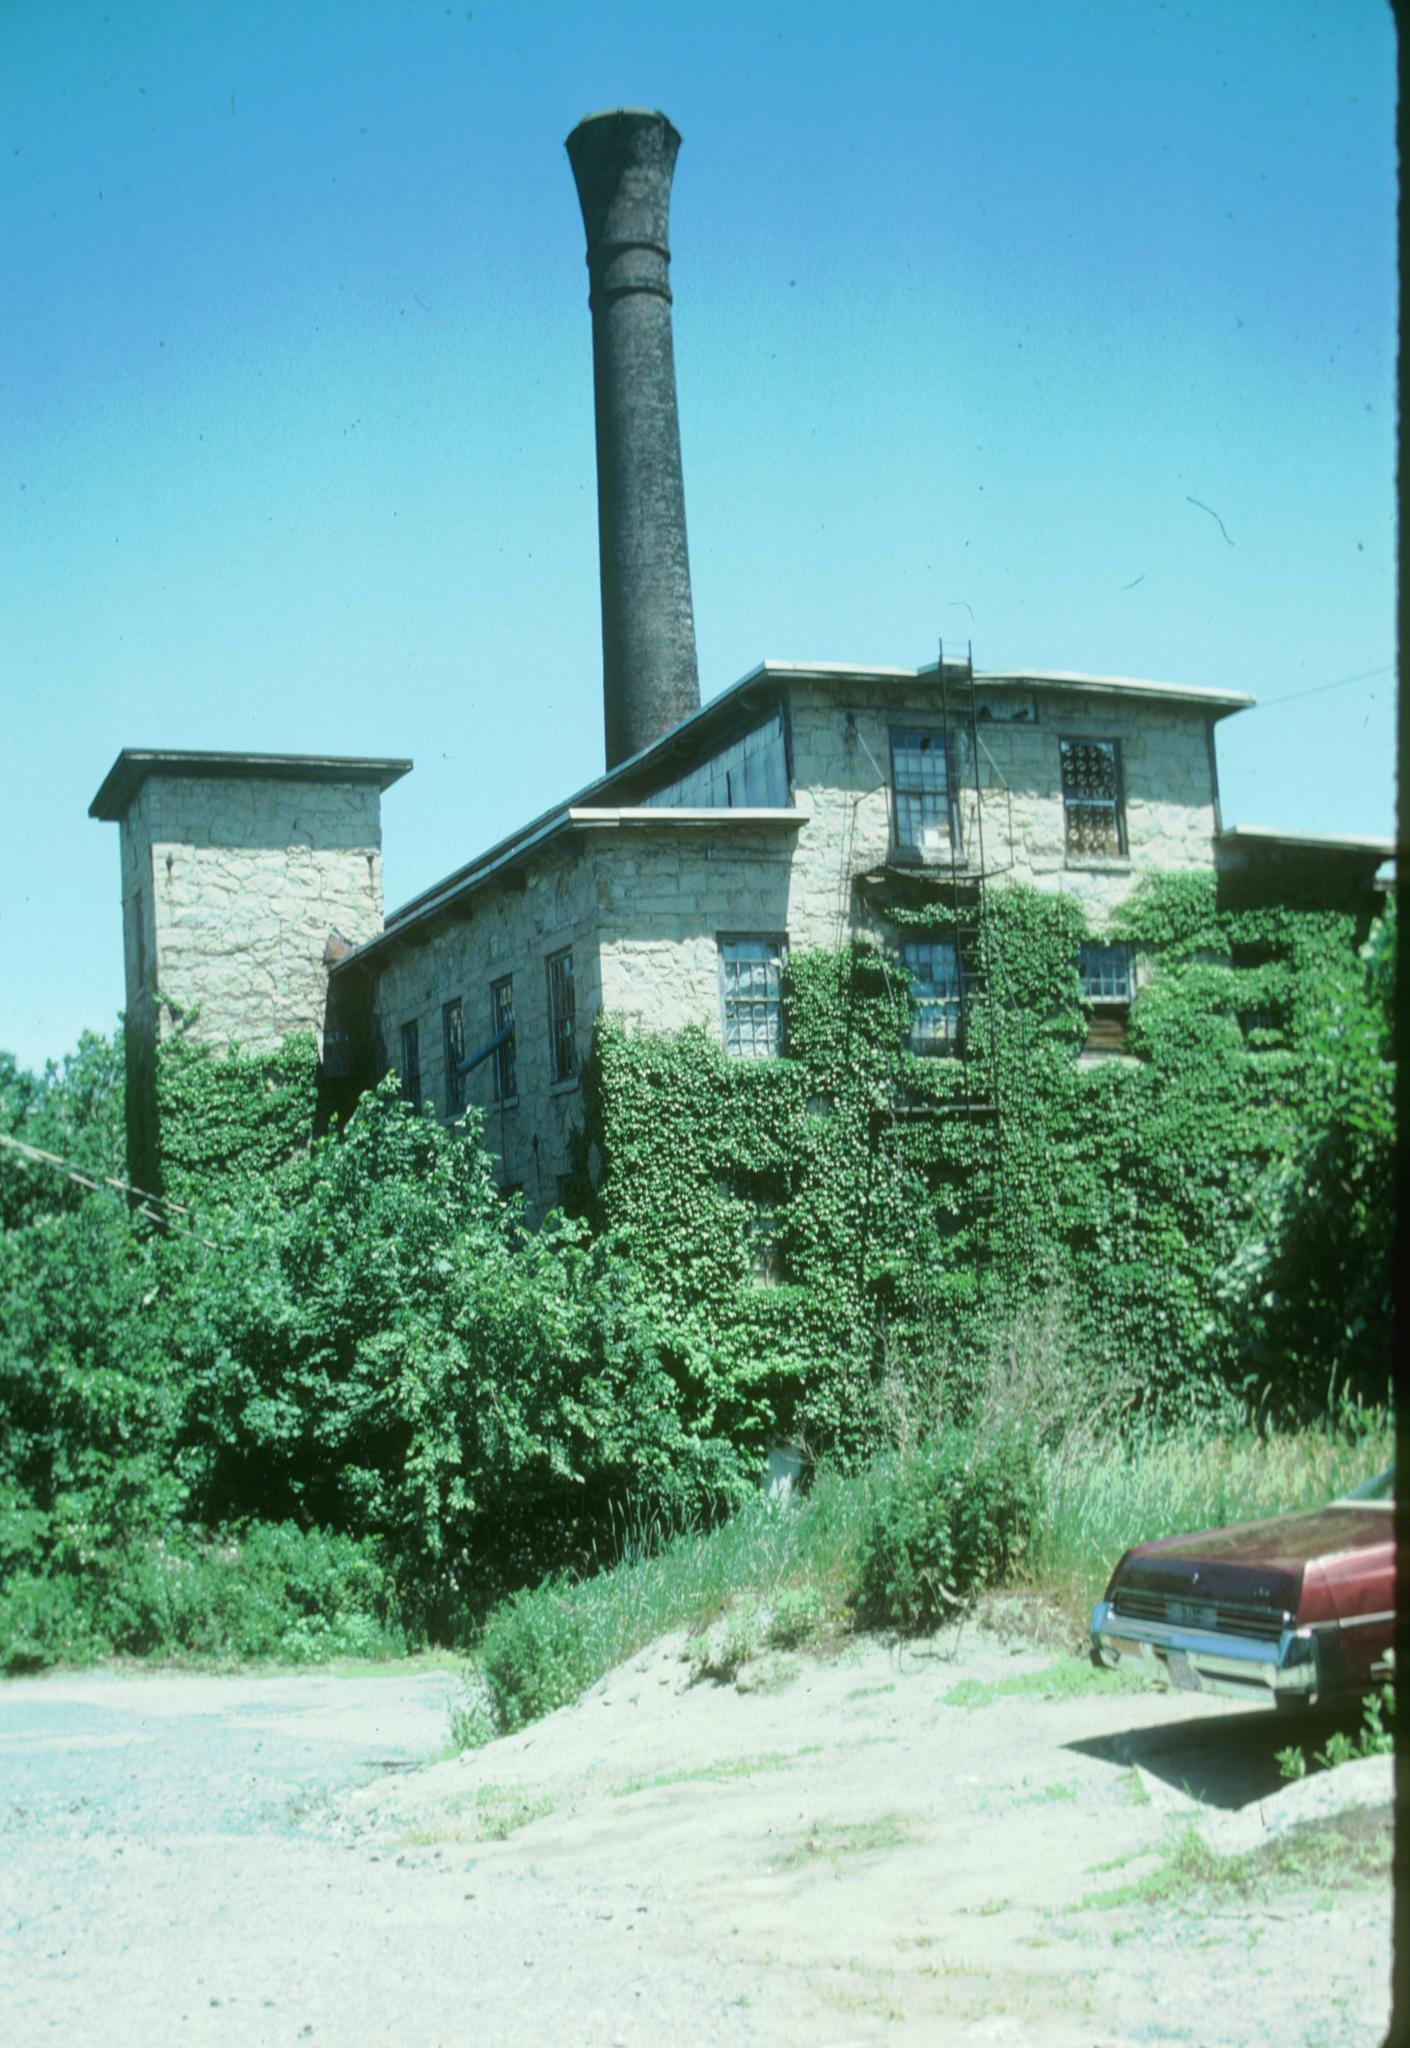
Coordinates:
(720, 1773)
(1069, 1678)
(858, 1838)
(1352, 1848)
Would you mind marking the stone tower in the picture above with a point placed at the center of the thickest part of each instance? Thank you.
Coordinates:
(239, 872)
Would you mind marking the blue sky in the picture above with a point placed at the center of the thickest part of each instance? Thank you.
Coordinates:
(972, 302)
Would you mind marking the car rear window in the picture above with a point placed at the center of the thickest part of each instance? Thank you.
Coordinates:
(1382, 1487)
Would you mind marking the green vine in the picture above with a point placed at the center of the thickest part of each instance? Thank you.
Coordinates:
(824, 1226)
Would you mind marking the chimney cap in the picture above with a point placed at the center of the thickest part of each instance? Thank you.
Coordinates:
(625, 114)
(134, 764)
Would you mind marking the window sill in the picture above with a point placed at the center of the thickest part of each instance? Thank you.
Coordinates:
(1110, 864)
(506, 1102)
(563, 1087)
(916, 857)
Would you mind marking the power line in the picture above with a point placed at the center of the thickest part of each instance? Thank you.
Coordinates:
(1343, 682)
(107, 1183)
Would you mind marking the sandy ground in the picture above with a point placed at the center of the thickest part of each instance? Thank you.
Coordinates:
(851, 1857)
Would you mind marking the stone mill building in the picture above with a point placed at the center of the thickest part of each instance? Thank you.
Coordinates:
(669, 890)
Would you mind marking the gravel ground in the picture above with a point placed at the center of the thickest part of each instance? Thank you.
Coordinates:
(838, 1853)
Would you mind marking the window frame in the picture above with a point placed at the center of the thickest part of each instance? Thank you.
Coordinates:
(777, 942)
(944, 1043)
(1109, 1012)
(562, 1023)
(453, 1044)
(1073, 856)
(504, 1064)
(914, 850)
(409, 1072)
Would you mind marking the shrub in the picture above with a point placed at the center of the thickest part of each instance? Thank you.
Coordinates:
(535, 1657)
(946, 1519)
(279, 1592)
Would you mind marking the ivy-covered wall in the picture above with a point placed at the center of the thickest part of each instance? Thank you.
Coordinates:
(845, 1223)
(831, 1233)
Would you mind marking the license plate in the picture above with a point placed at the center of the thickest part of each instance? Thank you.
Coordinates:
(1124, 1646)
(1183, 1675)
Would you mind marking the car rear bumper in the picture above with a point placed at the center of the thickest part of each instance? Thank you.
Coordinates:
(1288, 1670)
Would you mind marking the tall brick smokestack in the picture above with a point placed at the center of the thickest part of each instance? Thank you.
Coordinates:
(622, 163)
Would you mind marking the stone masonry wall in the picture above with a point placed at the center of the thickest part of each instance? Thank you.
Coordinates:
(839, 763)
(509, 930)
(231, 890)
(644, 905)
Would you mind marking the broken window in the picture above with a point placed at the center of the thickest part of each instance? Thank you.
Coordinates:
(920, 778)
(411, 1064)
(453, 1032)
(937, 995)
(506, 1084)
(562, 1017)
(751, 995)
(1092, 799)
(1108, 976)
(751, 773)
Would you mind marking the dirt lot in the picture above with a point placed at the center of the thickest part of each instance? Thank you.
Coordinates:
(936, 1844)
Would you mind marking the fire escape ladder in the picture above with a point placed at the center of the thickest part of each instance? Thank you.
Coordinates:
(964, 892)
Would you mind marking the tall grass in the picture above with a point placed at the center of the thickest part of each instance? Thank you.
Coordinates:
(544, 1647)
(1104, 1482)
(1124, 1492)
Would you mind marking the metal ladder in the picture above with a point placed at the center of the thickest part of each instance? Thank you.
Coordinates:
(964, 890)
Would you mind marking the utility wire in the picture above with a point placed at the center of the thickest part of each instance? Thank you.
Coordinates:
(106, 1183)
(1343, 682)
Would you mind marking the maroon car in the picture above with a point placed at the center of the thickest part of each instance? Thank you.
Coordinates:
(1298, 1610)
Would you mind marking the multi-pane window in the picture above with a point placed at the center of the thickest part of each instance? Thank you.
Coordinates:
(920, 777)
(506, 1080)
(453, 1034)
(751, 996)
(1107, 974)
(1091, 799)
(562, 1025)
(937, 991)
(411, 1064)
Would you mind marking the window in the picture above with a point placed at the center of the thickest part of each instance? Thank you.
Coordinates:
(453, 1032)
(920, 777)
(1107, 975)
(506, 1080)
(938, 994)
(751, 996)
(562, 1028)
(1108, 978)
(411, 1064)
(1091, 799)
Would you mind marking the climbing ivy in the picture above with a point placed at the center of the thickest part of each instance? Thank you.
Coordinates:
(234, 1118)
(828, 1229)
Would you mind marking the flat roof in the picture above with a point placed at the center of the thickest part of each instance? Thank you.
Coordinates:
(134, 764)
(1308, 842)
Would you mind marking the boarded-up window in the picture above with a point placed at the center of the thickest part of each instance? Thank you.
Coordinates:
(1092, 800)
(751, 995)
